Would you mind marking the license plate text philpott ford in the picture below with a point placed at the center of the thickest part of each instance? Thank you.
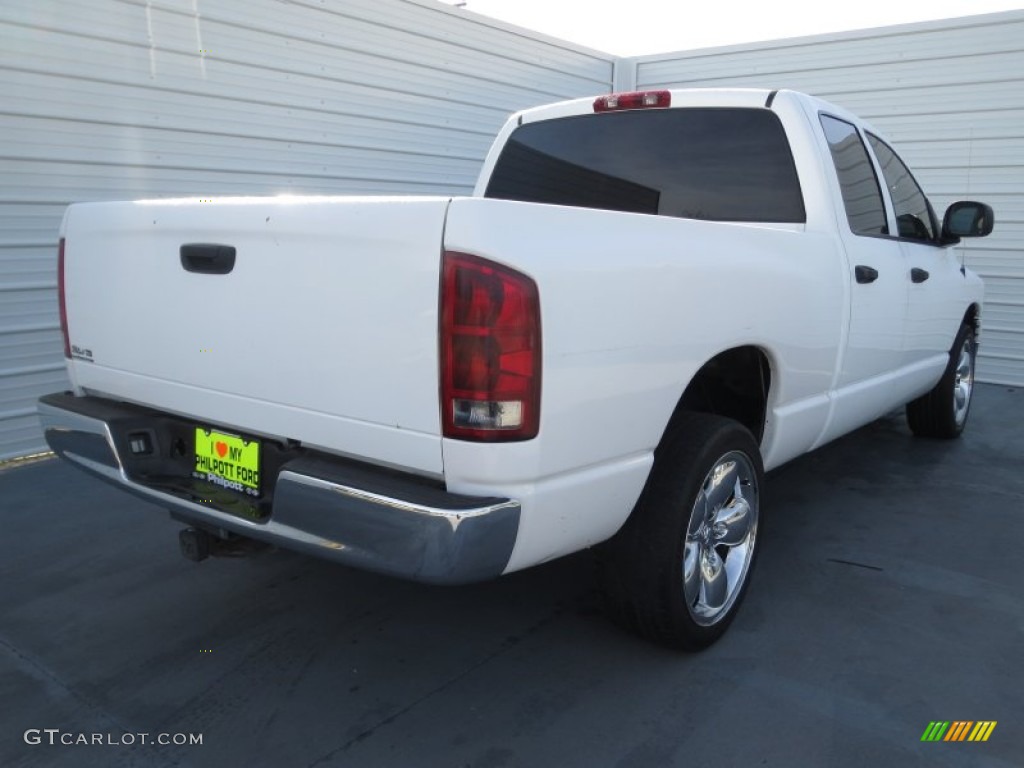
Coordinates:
(228, 461)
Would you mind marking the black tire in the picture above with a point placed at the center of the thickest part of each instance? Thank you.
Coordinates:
(642, 569)
(943, 411)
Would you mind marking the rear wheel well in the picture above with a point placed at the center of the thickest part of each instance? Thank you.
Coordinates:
(734, 384)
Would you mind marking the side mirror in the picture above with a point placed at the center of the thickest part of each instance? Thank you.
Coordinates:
(967, 219)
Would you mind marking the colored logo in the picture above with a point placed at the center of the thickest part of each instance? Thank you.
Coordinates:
(958, 730)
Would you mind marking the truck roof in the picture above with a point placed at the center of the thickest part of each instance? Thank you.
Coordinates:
(689, 97)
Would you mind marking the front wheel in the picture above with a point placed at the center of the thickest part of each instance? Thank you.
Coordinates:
(679, 568)
(943, 411)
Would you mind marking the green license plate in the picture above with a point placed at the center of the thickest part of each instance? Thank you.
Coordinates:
(228, 461)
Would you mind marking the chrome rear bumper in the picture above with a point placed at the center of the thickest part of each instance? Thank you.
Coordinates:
(352, 513)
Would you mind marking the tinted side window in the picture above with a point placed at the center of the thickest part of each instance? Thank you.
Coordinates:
(861, 195)
(913, 214)
(697, 163)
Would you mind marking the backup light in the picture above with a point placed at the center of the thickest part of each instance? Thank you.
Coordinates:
(633, 100)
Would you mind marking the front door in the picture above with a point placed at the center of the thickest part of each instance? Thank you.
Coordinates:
(932, 273)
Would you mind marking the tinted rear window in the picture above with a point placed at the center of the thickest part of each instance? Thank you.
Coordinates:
(862, 197)
(694, 163)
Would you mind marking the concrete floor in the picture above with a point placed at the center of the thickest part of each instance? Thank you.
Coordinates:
(889, 593)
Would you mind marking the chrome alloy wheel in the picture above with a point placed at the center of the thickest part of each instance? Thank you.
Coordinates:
(963, 381)
(720, 538)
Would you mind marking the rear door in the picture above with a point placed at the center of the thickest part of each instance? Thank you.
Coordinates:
(878, 285)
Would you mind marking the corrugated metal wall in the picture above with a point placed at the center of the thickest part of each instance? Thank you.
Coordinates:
(951, 97)
(113, 99)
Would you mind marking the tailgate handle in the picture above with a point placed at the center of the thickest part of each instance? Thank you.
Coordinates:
(208, 258)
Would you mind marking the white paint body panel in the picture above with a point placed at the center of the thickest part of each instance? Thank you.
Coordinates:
(324, 332)
(342, 296)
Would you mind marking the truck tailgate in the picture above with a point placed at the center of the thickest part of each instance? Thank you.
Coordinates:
(323, 331)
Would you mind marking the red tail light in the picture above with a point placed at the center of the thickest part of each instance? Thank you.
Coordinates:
(633, 100)
(60, 295)
(490, 351)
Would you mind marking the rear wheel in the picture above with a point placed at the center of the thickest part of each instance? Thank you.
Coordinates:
(679, 568)
(943, 411)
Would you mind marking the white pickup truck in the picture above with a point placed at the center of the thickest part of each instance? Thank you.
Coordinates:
(649, 299)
